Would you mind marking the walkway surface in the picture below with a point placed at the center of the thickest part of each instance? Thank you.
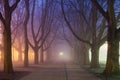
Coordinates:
(58, 72)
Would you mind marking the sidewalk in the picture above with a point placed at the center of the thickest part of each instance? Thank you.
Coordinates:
(58, 72)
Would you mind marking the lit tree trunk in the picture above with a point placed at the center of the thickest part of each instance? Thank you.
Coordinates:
(94, 57)
(26, 54)
(112, 65)
(2, 54)
(20, 50)
(8, 68)
(20, 54)
(13, 58)
(1, 50)
(41, 55)
(94, 46)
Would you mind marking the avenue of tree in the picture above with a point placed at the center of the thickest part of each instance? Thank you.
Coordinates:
(37, 25)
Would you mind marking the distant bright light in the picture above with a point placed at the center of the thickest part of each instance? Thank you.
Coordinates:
(61, 53)
(63, 57)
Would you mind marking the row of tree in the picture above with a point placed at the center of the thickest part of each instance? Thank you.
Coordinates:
(91, 23)
(94, 22)
(30, 23)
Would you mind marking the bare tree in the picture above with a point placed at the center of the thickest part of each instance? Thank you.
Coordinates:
(112, 65)
(87, 24)
(27, 14)
(6, 20)
(44, 25)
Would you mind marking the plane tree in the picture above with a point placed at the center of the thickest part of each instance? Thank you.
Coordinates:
(88, 31)
(25, 23)
(40, 32)
(6, 20)
(112, 64)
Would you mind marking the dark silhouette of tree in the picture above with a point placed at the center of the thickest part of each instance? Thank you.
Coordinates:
(6, 20)
(112, 65)
(27, 14)
(1, 44)
(98, 37)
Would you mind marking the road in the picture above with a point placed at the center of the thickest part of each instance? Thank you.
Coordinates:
(58, 72)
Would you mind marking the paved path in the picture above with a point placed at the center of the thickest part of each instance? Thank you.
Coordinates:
(58, 72)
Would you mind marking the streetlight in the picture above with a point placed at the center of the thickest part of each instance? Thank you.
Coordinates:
(61, 53)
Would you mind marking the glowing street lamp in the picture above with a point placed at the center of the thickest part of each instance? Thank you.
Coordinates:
(61, 53)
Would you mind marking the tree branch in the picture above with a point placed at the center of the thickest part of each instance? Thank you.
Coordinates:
(102, 41)
(31, 44)
(2, 19)
(105, 14)
(32, 22)
(70, 27)
(12, 8)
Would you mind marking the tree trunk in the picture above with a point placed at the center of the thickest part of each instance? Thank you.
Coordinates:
(20, 55)
(77, 56)
(95, 57)
(8, 67)
(86, 55)
(112, 65)
(26, 54)
(20, 52)
(25, 33)
(41, 55)
(6, 20)
(36, 56)
(2, 56)
(26, 47)
(48, 55)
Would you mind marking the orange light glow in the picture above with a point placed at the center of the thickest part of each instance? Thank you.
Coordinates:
(31, 56)
(14, 54)
(0, 55)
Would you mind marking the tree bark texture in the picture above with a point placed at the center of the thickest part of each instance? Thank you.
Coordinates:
(8, 67)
